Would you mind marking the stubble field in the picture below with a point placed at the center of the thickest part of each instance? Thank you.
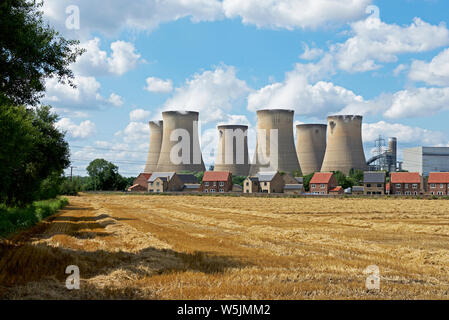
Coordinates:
(190, 247)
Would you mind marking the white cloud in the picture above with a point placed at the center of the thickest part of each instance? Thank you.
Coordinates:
(139, 115)
(292, 14)
(136, 132)
(418, 102)
(374, 41)
(436, 72)
(96, 62)
(399, 69)
(311, 53)
(158, 85)
(212, 93)
(83, 130)
(115, 100)
(405, 134)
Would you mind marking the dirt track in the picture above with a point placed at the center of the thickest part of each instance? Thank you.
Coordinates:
(187, 247)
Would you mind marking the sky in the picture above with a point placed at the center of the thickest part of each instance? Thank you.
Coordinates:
(385, 60)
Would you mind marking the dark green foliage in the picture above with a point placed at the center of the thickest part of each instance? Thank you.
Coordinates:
(30, 52)
(199, 176)
(104, 176)
(306, 182)
(238, 180)
(355, 178)
(297, 173)
(16, 219)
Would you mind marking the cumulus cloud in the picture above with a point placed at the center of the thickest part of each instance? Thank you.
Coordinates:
(115, 100)
(311, 53)
(84, 130)
(159, 85)
(213, 93)
(435, 72)
(292, 14)
(96, 62)
(139, 115)
(374, 41)
(136, 132)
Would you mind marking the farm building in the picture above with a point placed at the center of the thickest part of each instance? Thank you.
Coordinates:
(322, 183)
(216, 181)
(374, 183)
(140, 184)
(337, 190)
(164, 181)
(358, 190)
(265, 182)
(406, 183)
(438, 184)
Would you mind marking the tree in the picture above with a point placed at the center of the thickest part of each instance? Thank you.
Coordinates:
(306, 181)
(30, 52)
(32, 150)
(104, 174)
(342, 180)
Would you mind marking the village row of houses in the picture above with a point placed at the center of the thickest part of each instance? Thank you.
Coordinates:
(322, 183)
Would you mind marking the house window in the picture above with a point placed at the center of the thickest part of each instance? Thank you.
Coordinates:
(441, 186)
(406, 186)
(398, 185)
(212, 190)
(206, 190)
(322, 186)
(408, 193)
(416, 193)
(440, 193)
(379, 185)
(247, 184)
(265, 184)
(157, 184)
(222, 190)
(433, 185)
(215, 183)
(221, 184)
(398, 192)
(206, 184)
(368, 185)
(313, 185)
(415, 186)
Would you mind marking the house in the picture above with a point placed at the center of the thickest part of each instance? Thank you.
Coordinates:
(438, 184)
(164, 181)
(294, 189)
(270, 182)
(322, 182)
(237, 188)
(374, 183)
(251, 185)
(358, 190)
(140, 184)
(191, 187)
(337, 190)
(406, 183)
(216, 181)
(187, 178)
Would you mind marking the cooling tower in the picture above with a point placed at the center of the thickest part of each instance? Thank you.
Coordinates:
(310, 146)
(232, 154)
(281, 156)
(180, 150)
(155, 146)
(344, 150)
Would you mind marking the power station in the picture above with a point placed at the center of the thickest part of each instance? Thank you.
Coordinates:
(310, 146)
(232, 154)
(180, 149)
(155, 146)
(275, 147)
(344, 149)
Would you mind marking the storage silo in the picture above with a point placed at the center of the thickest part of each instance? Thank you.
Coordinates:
(154, 151)
(281, 156)
(232, 153)
(180, 150)
(393, 154)
(310, 146)
(344, 150)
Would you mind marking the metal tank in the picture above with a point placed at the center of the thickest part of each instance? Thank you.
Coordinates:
(180, 150)
(344, 150)
(281, 156)
(232, 153)
(310, 146)
(393, 154)
(154, 151)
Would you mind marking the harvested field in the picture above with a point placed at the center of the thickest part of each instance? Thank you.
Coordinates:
(191, 247)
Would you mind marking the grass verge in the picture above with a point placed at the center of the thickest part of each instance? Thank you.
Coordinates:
(16, 219)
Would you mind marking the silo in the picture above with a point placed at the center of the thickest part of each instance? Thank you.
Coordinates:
(232, 153)
(155, 146)
(310, 146)
(281, 156)
(180, 150)
(393, 153)
(344, 150)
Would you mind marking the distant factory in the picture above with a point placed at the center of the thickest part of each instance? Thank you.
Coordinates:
(426, 160)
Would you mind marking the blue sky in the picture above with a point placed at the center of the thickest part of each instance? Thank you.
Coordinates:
(229, 58)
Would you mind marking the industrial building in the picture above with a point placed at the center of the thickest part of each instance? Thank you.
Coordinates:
(426, 160)
(155, 146)
(310, 146)
(385, 160)
(232, 154)
(281, 156)
(344, 149)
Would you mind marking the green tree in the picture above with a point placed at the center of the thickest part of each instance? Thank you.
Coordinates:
(30, 52)
(306, 181)
(104, 174)
(342, 180)
(238, 180)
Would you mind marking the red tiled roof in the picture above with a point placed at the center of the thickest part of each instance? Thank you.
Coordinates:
(321, 177)
(439, 177)
(388, 186)
(146, 175)
(405, 177)
(336, 189)
(216, 176)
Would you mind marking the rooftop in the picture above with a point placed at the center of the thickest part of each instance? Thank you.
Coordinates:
(321, 177)
(405, 177)
(438, 177)
(266, 176)
(216, 176)
(162, 175)
(187, 178)
(374, 177)
(293, 187)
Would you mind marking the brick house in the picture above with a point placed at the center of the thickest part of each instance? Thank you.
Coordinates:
(216, 182)
(337, 190)
(265, 182)
(438, 184)
(322, 183)
(374, 183)
(164, 181)
(140, 184)
(251, 185)
(406, 183)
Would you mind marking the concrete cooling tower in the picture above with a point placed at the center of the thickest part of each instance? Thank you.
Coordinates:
(232, 153)
(155, 146)
(180, 150)
(344, 150)
(282, 154)
(310, 146)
